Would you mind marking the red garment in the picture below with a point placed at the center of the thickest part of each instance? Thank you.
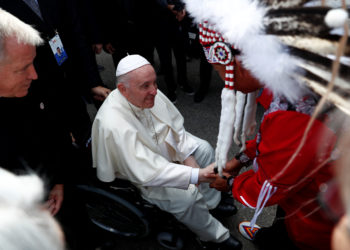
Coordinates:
(265, 98)
(281, 133)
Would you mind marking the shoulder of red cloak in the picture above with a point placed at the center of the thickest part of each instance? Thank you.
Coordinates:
(265, 98)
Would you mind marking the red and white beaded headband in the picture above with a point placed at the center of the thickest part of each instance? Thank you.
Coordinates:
(218, 51)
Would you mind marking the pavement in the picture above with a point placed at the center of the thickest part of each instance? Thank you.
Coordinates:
(202, 120)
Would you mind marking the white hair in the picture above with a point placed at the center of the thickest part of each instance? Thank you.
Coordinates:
(124, 79)
(241, 23)
(24, 224)
(11, 26)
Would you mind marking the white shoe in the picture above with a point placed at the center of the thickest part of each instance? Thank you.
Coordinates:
(246, 231)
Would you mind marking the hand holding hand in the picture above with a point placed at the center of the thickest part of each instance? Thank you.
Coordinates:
(233, 167)
(220, 183)
(206, 174)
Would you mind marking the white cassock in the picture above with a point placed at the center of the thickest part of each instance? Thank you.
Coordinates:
(142, 146)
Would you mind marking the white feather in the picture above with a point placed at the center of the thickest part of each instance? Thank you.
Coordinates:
(227, 119)
(241, 24)
(249, 121)
(241, 101)
(20, 191)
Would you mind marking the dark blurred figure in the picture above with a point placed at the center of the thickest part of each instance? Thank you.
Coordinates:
(205, 70)
(91, 13)
(128, 28)
(172, 36)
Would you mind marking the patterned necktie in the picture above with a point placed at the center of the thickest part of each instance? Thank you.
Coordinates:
(33, 4)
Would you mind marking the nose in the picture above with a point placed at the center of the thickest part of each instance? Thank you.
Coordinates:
(154, 89)
(32, 73)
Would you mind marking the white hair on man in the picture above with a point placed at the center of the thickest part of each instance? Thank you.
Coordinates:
(11, 26)
(24, 223)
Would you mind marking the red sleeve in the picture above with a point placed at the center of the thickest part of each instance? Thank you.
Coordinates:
(281, 133)
(265, 98)
(250, 150)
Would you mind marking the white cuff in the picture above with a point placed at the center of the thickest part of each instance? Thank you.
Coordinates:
(194, 176)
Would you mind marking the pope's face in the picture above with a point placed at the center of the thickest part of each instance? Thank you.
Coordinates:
(142, 88)
(17, 69)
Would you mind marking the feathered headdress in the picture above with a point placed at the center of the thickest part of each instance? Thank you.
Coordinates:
(286, 45)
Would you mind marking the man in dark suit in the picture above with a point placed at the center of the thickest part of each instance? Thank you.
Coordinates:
(76, 76)
(35, 129)
(26, 127)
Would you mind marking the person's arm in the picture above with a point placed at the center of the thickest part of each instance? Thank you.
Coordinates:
(120, 150)
(172, 171)
(281, 133)
(55, 199)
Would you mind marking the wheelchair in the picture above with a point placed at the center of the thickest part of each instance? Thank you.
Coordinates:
(119, 210)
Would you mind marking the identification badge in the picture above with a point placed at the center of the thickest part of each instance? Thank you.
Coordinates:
(192, 35)
(58, 50)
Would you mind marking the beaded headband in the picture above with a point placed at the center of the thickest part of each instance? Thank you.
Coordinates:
(218, 51)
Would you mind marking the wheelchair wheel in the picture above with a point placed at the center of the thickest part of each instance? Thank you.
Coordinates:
(113, 213)
(170, 240)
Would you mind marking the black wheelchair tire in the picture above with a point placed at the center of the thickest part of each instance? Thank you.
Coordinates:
(113, 213)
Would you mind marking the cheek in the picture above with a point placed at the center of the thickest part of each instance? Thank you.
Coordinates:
(21, 81)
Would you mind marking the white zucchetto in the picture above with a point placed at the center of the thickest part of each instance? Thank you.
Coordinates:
(130, 63)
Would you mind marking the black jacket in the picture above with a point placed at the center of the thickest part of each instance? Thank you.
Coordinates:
(34, 129)
(33, 138)
(59, 16)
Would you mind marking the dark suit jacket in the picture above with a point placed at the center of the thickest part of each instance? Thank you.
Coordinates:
(30, 135)
(59, 16)
(32, 138)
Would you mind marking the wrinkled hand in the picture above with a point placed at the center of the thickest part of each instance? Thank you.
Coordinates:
(109, 48)
(220, 183)
(54, 202)
(206, 174)
(100, 93)
(233, 167)
(97, 48)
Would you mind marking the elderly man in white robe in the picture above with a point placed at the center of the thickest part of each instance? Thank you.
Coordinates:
(138, 135)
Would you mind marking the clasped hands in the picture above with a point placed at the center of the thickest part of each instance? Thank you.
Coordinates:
(207, 174)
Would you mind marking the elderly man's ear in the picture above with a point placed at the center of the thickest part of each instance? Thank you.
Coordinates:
(121, 87)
